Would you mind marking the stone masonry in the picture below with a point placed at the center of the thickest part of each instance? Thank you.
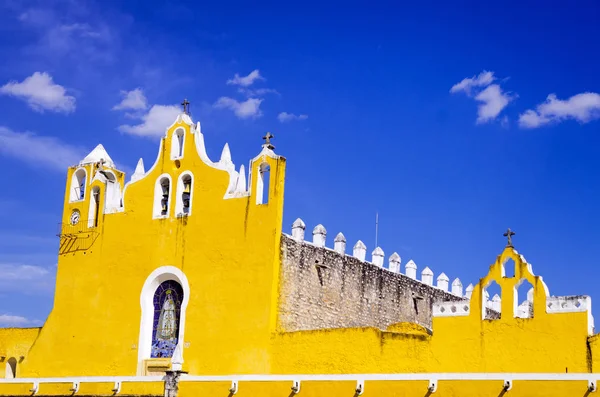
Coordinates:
(321, 288)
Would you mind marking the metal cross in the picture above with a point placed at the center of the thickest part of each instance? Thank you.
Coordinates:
(267, 139)
(186, 106)
(508, 234)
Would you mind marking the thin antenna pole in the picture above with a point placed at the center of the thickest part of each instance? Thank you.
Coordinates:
(376, 228)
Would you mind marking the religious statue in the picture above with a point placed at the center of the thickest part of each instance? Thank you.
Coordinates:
(167, 320)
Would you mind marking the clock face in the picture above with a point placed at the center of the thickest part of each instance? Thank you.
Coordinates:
(75, 217)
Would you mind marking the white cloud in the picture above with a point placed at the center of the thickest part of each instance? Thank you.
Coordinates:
(257, 92)
(134, 99)
(41, 93)
(493, 101)
(19, 278)
(39, 150)
(154, 123)
(583, 107)
(243, 110)
(245, 81)
(285, 117)
(7, 320)
(482, 80)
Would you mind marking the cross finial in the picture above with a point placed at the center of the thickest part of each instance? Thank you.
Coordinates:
(186, 106)
(268, 143)
(508, 234)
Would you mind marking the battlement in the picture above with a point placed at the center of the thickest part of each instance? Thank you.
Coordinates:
(323, 287)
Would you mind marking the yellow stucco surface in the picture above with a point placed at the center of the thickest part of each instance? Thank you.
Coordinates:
(228, 248)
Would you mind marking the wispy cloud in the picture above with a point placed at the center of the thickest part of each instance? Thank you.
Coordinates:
(19, 278)
(249, 92)
(285, 117)
(245, 81)
(39, 150)
(8, 320)
(583, 107)
(134, 100)
(492, 99)
(154, 122)
(250, 108)
(41, 93)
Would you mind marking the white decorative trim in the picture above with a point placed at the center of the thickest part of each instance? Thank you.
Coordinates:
(179, 198)
(156, 207)
(112, 195)
(76, 182)
(97, 154)
(177, 147)
(139, 172)
(158, 276)
(93, 206)
(452, 309)
(264, 170)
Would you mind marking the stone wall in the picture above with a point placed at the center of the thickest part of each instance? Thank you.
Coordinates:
(321, 288)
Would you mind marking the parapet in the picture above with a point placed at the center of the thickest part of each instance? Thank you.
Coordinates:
(324, 288)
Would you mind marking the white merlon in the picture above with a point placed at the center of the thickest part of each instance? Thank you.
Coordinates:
(139, 171)
(469, 291)
(496, 303)
(457, 287)
(225, 155)
(339, 244)
(240, 186)
(319, 235)
(298, 229)
(377, 257)
(411, 269)
(427, 276)
(442, 282)
(96, 155)
(394, 262)
(360, 250)
(451, 309)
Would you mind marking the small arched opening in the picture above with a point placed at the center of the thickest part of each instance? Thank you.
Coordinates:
(492, 301)
(263, 184)
(184, 194)
(177, 143)
(523, 296)
(94, 211)
(77, 187)
(162, 196)
(11, 368)
(508, 268)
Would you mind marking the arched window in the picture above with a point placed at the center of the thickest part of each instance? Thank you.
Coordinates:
(184, 194)
(11, 368)
(94, 212)
(167, 311)
(492, 301)
(77, 187)
(177, 142)
(262, 184)
(113, 192)
(162, 196)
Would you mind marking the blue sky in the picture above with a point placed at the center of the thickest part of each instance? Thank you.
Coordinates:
(453, 123)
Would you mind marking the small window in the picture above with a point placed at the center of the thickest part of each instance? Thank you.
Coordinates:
(187, 191)
(523, 296)
(492, 301)
(164, 201)
(262, 185)
(77, 188)
(11, 368)
(177, 143)
(162, 196)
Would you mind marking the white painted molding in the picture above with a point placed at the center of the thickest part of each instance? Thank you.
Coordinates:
(179, 208)
(319, 235)
(496, 303)
(457, 287)
(377, 257)
(359, 251)
(469, 291)
(339, 244)
(240, 186)
(157, 277)
(442, 282)
(79, 177)
(298, 228)
(139, 172)
(411, 269)
(394, 262)
(178, 143)
(158, 193)
(427, 276)
(451, 309)
(96, 155)
(225, 160)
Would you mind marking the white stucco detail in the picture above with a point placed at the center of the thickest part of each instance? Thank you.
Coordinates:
(377, 257)
(339, 243)
(359, 251)
(79, 182)
(112, 200)
(411, 269)
(139, 172)
(394, 262)
(457, 287)
(178, 143)
(11, 368)
(442, 282)
(96, 155)
(427, 276)
(469, 291)
(94, 207)
(240, 186)
(157, 277)
(451, 309)
(298, 228)
(225, 160)
(319, 236)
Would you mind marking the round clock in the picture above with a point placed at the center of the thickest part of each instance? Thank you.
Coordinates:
(75, 217)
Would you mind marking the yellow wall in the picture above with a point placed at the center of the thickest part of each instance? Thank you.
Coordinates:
(229, 251)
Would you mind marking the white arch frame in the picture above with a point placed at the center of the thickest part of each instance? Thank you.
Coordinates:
(179, 200)
(177, 146)
(155, 278)
(263, 168)
(156, 208)
(92, 208)
(74, 193)
(11, 368)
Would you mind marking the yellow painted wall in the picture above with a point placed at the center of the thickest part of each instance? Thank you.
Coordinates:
(229, 251)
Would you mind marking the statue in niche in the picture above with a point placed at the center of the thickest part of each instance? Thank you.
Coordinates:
(167, 304)
(166, 322)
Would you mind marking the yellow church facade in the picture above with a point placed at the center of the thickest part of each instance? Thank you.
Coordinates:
(182, 281)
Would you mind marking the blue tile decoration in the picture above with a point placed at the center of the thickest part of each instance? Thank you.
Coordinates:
(167, 310)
